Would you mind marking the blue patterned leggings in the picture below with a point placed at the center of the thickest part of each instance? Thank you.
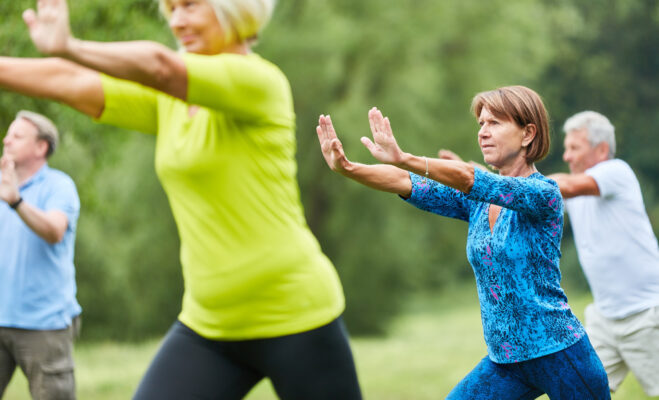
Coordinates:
(574, 373)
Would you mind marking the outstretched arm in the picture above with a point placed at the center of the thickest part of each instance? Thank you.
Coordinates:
(381, 177)
(456, 174)
(148, 63)
(573, 185)
(55, 79)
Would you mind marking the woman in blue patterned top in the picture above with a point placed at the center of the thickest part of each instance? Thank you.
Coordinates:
(535, 343)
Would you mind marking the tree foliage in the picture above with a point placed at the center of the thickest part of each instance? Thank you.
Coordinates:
(419, 61)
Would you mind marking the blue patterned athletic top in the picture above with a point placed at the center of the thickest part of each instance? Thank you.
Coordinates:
(524, 311)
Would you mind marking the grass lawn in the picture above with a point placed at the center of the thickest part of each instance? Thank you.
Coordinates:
(428, 350)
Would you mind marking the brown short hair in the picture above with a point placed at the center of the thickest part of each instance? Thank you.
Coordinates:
(523, 106)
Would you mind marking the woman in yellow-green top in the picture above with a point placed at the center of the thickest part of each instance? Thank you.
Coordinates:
(261, 300)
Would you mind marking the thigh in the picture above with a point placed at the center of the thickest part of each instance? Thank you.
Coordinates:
(7, 363)
(188, 366)
(46, 358)
(316, 364)
(641, 350)
(575, 373)
(489, 380)
(603, 339)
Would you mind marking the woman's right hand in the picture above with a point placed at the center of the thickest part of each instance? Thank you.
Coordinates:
(331, 146)
(49, 26)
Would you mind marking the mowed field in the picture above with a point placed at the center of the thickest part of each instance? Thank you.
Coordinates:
(427, 351)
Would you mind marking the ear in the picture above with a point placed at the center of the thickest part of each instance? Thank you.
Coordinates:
(529, 134)
(41, 148)
(602, 151)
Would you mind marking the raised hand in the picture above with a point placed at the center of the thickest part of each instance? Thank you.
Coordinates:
(383, 147)
(331, 146)
(9, 182)
(49, 26)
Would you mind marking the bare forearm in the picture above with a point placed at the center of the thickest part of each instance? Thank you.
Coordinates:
(55, 79)
(50, 226)
(573, 185)
(148, 63)
(456, 174)
(386, 178)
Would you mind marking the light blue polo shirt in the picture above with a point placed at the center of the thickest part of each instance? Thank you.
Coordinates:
(37, 279)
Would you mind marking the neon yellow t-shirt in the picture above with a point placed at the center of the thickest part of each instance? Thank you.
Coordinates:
(251, 266)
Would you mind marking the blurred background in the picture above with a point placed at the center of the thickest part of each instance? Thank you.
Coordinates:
(420, 62)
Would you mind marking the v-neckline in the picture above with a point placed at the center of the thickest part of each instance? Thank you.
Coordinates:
(192, 110)
(491, 225)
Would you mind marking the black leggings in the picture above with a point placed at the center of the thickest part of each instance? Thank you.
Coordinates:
(316, 364)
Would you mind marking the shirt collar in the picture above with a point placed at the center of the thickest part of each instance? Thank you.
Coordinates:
(37, 177)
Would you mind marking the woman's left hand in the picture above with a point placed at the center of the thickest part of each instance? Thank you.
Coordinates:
(49, 26)
(383, 147)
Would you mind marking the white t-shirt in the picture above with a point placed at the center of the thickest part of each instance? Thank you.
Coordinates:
(616, 244)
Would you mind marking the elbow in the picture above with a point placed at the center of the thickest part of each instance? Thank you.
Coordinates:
(468, 179)
(169, 74)
(567, 191)
(55, 234)
(54, 237)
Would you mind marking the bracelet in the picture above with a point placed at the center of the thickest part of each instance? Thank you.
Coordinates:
(16, 203)
(426, 166)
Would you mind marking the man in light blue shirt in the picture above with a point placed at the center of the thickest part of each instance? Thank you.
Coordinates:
(39, 209)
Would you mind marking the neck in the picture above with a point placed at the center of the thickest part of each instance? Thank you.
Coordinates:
(518, 169)
(27, 170)
(238, 48)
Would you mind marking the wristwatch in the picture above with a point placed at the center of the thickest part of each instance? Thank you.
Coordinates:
(16, 203)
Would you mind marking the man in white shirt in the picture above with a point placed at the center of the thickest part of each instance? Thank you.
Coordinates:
(617, 250)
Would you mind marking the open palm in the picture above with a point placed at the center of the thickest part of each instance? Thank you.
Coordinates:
(8, 183)
(383, 147)
(49, 26)
(331, 146)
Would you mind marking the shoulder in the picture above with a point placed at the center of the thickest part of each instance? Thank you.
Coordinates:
(543, 183)
(59, 181)
(240, 63)
(57, 175)
(613, 166)
(613, 176)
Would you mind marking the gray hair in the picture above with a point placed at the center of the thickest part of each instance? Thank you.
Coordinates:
(46, 130)
(598, 127)
(242, 20)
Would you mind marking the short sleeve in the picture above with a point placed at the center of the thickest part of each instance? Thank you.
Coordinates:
(63, 196)
(613, 177)
(129, 105)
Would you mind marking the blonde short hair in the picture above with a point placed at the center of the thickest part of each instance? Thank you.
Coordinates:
(46, 130)
(523, 106)
(242, 20)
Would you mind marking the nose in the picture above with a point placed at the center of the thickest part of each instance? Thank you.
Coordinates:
(483, 132)
(176, 19)
(566, 156)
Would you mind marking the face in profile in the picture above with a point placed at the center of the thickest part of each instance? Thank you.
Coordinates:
(579, 154)
(21, 142)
